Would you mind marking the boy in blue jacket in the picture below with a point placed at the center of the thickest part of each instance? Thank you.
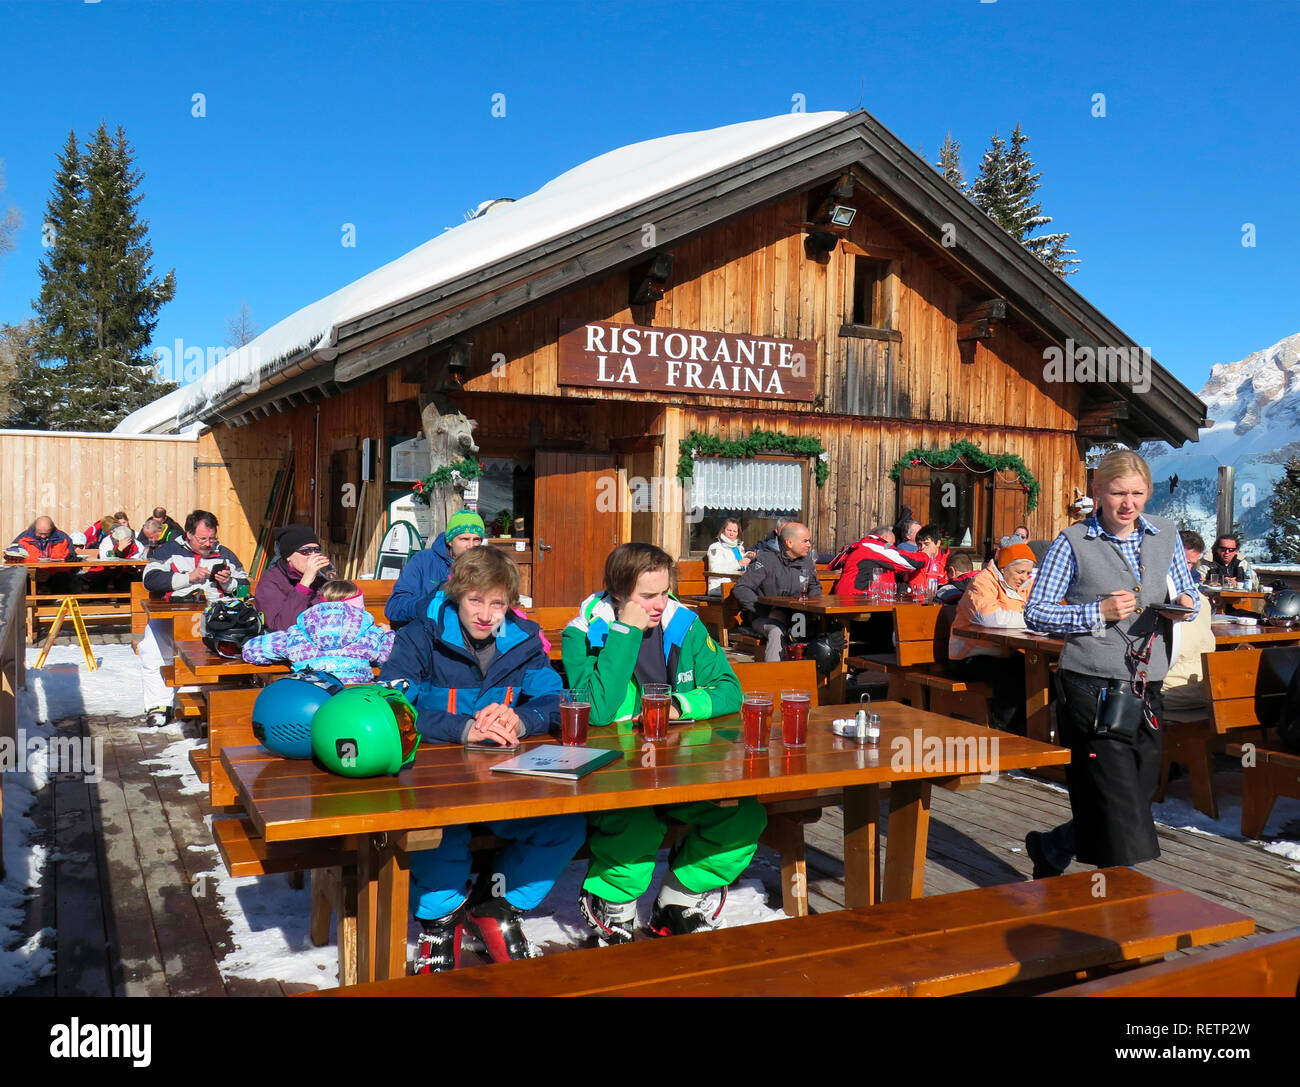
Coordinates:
(478, 673)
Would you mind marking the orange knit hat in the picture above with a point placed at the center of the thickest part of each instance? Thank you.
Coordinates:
(1014, 553)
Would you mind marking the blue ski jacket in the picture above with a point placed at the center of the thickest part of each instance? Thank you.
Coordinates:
(446, 686)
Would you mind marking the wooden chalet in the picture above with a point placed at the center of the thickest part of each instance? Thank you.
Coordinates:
(808, 276)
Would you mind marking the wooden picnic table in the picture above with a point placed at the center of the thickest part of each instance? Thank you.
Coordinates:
(1220, 598)
(844, 609)
(1042, 649)
(293, 801)
(204, 666)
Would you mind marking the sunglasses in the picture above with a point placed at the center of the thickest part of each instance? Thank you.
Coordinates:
(1228, 550)
(310, 549)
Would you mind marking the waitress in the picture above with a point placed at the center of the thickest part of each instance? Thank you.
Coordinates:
(1097, 585)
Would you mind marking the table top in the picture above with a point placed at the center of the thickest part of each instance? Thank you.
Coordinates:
(1225, 634)
(157, 606)
(845, 604)
(447, 785)
(207, 665)
(74, 564)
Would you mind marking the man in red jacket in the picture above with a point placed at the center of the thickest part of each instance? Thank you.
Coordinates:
(45, 543)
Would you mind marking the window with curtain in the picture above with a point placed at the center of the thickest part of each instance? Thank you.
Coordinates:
(756, 492)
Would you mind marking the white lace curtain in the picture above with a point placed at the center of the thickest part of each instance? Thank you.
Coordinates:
(725, 483)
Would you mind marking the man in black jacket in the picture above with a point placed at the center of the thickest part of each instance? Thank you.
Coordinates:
(790, 572)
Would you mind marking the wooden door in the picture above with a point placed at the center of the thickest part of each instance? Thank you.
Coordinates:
(575, 518)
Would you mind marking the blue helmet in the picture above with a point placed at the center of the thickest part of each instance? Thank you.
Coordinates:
(283, 711)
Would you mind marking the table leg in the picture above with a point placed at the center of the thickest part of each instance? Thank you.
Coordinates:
(391, 912)
(1038, 714)
(367, 906)
(861, 845)
(909, 828)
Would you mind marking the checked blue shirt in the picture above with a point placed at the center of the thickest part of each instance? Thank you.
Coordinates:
(1044, 611)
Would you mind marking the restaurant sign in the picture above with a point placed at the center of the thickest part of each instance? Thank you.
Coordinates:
(680, 360)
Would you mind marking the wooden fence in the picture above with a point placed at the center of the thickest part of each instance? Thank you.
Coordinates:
(76, 478)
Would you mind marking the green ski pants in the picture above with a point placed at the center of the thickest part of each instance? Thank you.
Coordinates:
(717, 848)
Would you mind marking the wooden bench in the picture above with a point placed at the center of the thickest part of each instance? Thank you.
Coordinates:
(1261, 966)
(1247, 688)
(915, 669)
(970, 941)
(95, 607)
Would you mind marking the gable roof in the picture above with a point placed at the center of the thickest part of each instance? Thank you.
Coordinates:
(593, 219)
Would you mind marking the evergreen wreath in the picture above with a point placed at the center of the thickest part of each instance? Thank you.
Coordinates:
(696, 445)
(976, 459)
(464, 470)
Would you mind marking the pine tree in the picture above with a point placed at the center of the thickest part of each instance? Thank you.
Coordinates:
(1284, 511)
(99, 299)
(1004, 191)
(949, 163)
(1027, 214)
(26, 388)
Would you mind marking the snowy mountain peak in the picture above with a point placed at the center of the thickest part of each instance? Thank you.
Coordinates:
(1262, 383)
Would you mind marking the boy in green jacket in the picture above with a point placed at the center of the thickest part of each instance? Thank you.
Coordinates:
(632, 634)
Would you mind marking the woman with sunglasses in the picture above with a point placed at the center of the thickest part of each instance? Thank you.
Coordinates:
(293, 583)
(1099, 585)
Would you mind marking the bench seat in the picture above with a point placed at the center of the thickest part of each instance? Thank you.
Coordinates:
(1267, 965)
(965, 942)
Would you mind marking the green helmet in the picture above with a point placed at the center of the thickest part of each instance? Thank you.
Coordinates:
(365, 731)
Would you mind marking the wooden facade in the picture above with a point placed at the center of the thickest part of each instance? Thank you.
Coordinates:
(913, 344)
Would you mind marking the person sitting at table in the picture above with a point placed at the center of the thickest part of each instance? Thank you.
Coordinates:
(1227, 564)
(478, 674)
(196, 568)
(173, 529)
(790, 572)
(96, 533)
(336, 635)
(292, 583)
(772, 541)
(996, 598)
(727, 554)
(873, 555)
(632, 634)
(932, 557)
(151, 534)
(119, 544)
(905, 533)
(961, 572)
(423, 573)
(44, 542)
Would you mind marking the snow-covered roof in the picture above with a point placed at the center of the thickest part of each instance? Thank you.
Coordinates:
(589, 193)
(156, 417)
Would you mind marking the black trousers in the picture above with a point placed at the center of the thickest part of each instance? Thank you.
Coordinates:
(1110, 781)
(1006, 675)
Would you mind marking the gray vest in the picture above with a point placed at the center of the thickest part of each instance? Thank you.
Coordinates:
(1102, 568)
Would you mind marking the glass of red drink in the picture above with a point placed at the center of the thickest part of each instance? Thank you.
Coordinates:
(575, 715)
(655, 699)
(755, 717)
(794, 717)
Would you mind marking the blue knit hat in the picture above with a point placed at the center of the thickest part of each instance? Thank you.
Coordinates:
(464, 521)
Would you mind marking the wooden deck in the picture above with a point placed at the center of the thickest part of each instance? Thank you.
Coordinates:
(125, 893)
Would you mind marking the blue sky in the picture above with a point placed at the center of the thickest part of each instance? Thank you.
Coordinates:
(380, 114)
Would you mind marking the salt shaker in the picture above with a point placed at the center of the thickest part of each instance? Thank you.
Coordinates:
(868, 723)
